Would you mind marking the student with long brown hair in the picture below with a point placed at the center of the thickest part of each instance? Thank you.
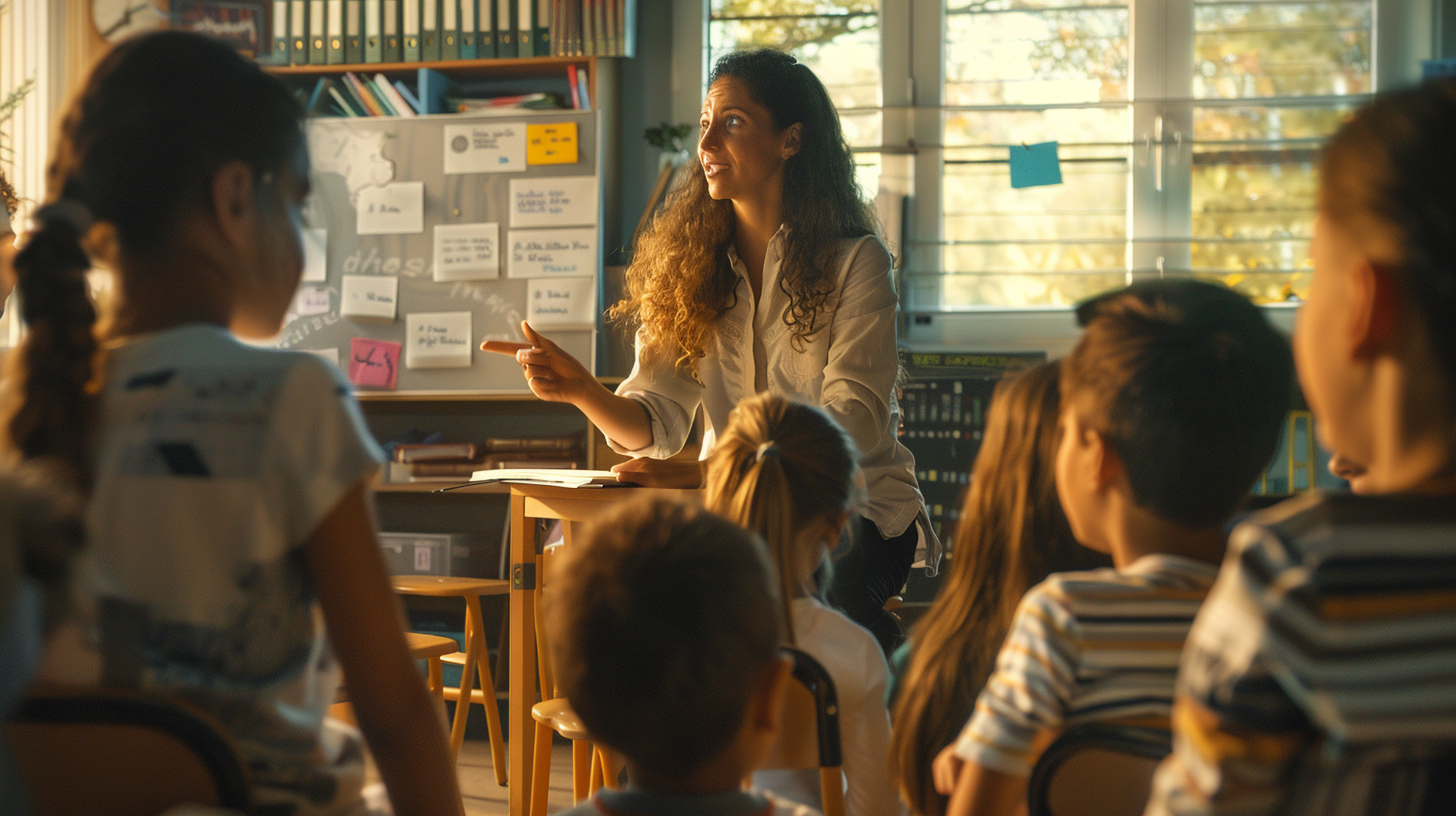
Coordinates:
(785, 471)
(1013, 536)
(233, 559)
(763, 273)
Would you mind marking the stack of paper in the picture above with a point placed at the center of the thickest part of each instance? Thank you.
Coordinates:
(555, 478)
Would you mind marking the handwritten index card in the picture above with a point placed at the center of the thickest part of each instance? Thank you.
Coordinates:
(437, 340)
(373, 363)
(555, 201)
(369, 297)
(315, 254)
(566, 252)
(552, 144)
(393, 209)
(467, 252)
(311, 300)
(561, 301)
(485, 147)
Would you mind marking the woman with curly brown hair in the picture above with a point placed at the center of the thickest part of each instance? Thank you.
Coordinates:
(763, 273)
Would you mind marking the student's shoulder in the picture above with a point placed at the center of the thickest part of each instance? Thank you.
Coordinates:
(832, 626)
(867, 254)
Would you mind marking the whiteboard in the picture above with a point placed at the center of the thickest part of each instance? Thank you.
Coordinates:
(349, 156)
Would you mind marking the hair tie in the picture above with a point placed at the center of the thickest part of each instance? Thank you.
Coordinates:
(66, 211)
(769, 448)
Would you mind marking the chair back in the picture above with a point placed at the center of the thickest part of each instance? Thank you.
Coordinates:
(809, 730)
(1097, 769)
(122, 753)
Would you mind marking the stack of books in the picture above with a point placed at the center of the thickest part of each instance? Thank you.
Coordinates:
(458, 461)
(359, 95)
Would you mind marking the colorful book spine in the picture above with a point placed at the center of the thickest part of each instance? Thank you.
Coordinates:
(345, 102)
(396, 102)
(525, 27)
(485, 20)
(582, 86)
(366, 99)
(575, 94)
(541, 34)
(505, 22)
(408, 96)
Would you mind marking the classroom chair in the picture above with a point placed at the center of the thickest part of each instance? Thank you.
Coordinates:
(809, 731)
(1098, 769)
(123, 753)
(429, 648)
(591, 766)
(474, 657)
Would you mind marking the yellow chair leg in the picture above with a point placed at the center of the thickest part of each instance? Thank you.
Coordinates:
(611, 769)
(581, 768)
(595, 784)
(473, 647)
(492, 711)
(437, 683)
(541, 771)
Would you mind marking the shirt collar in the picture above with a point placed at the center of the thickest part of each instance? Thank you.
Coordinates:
(776, 242)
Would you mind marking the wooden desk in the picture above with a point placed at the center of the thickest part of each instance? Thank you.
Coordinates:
(528, 503)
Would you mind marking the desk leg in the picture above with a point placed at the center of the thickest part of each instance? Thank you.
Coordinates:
(523, 663)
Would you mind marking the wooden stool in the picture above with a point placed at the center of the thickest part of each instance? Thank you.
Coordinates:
(475, 657)
(430, 648)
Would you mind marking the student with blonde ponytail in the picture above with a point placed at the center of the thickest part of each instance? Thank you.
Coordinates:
(227, 486)
(786, 471)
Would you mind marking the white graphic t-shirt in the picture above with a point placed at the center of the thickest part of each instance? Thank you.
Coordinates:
(215, 462)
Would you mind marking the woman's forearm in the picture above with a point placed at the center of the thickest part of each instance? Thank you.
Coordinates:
(622, 420)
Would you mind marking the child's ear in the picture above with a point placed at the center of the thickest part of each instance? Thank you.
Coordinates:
(767, 705)
(1375, 318)
(233, 204)
(1109, 464)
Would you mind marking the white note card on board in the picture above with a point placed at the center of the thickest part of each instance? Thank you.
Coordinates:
(393, 209)
(565, 252)
(437, 340)
(369, 297)
(485, 147)
(467, 252)
(561, 301)
(554, 201)
(315, 254)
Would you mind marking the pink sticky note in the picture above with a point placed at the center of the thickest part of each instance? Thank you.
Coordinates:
(373, 362)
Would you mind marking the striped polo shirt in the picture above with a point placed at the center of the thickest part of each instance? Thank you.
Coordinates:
(1100, 646)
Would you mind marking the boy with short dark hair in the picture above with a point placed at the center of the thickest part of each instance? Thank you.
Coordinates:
(1320, 677)
(1172, 404)
(664, 636)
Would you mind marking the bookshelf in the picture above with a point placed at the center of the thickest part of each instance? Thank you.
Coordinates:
(500, 68)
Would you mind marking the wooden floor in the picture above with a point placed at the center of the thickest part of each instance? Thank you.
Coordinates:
(483, 797)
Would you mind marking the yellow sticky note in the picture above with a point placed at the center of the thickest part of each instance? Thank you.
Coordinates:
(551, 144)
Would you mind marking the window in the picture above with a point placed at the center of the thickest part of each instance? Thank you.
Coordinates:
(1188, 132)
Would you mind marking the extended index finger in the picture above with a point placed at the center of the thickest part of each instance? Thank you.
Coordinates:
(504, 346)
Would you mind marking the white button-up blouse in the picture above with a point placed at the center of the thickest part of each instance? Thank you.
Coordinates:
(847, 367)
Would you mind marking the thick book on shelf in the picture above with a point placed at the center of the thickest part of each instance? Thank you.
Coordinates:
(318, 52)
(282, 50)
(393, 33)
(409, 25)
(430, 30)
(335, 39)
(450, 30)
(353, 31)
(468, 30)
(434, 87)
(298, 32)
(505, 28)
(525, 27)
(373, 31)
(541, 35)
(485, 15)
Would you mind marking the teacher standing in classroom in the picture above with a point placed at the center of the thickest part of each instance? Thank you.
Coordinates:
(762, 273)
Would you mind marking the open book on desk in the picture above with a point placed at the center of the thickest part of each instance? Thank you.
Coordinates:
(564, 477)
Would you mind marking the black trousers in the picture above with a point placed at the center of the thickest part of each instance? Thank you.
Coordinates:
(869, 571)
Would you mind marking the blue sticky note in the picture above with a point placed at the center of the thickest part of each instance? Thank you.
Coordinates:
(1035, 165)
(1438, 68)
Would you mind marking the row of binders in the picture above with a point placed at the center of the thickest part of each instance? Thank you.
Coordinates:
(351, 32)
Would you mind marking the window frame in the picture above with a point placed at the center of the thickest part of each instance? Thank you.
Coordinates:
(1159, 221)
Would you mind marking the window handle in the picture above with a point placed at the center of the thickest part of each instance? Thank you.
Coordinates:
(1158, 151)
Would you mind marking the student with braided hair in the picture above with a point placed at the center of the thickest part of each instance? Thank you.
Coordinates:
(227, 485)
